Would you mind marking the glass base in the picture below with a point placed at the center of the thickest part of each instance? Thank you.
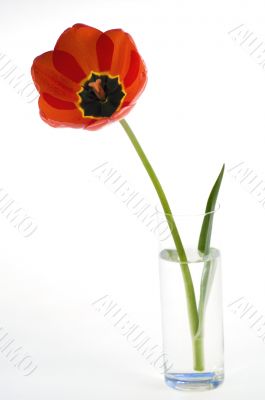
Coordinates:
(196, 381)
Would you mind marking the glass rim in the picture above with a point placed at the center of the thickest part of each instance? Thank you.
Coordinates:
(190, 214)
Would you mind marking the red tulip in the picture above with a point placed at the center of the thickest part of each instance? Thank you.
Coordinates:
(90, 78)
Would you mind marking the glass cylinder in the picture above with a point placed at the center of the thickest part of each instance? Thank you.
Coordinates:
(192, 332)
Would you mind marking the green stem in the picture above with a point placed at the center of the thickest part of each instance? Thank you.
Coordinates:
(190, 294)
(198, 353)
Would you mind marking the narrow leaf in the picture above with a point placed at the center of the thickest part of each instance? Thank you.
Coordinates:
(206, 229)
(204, 247)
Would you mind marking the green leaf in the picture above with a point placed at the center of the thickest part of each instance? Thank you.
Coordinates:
(204, 247)
(206, 229)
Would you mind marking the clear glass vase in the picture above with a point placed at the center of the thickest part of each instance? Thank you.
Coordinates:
(194, 357)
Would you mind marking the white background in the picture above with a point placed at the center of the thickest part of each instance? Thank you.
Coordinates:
(204, 105)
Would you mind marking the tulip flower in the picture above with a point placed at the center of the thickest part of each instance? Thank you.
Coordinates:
(91, 78)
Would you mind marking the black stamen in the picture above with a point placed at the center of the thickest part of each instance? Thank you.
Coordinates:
(92, 106)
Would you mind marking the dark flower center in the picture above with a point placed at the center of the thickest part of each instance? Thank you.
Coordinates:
(101, 96)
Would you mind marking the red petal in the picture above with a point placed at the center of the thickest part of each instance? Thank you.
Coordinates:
(137, 87)
(127, 63)
(123, 45)
(80, 41)
(133, 69)
(67, 118)
(105, 48)
(58, 103)
(62, 118)
(121, 113)
(47, 79)
(97, 124)
(67, 65)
